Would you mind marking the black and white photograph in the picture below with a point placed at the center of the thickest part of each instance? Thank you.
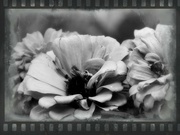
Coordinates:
(90, 65)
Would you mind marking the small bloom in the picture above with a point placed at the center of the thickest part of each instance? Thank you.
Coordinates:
(87, 73)
(150, 71)
(23, 53)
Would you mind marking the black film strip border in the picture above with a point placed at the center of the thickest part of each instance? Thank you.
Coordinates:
(87, 127)
(91, 3)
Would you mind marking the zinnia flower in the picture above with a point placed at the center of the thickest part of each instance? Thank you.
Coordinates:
(150, 71)
(87, 73)
(23, 53)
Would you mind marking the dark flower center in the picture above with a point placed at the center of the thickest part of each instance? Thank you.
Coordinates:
(77, 84)
(158, 68)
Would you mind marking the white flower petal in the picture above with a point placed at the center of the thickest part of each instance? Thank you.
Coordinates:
(118, 53)
(141, 46)
(133, 90)
(166, 78)
(69, 118)
(114, 87)
(118, 99)
(44, 59)
(47, 75)
(103, 96)
(129, 44)
(20, 50)
(59, 112)
(33, 42)
(107, 67)
(86, 47)
(161, 93)
(121, 68)
(84, 104)
(136, 57)
(32, 85)
(131, 81)
(157, 91)
(84, 114)
(75, 50)
(99, 51)
(102, 41)
(148, 102)
(145, 32)
(39, 114)
(67, 99)
(145, 84)
(153, 45)
(152, 57)
(93, 64)
(47, 102)
(69, 51)
(107, 78)
(51, 34)
(140, 72)
(51, 54)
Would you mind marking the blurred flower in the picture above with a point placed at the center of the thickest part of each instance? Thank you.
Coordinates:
(150, 71)
(87, 73)
(23, 53)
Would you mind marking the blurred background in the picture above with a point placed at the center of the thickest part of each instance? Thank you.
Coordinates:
(117, 23)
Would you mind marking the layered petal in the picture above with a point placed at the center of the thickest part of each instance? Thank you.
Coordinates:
(103, 96)
(51, 34)
(129, 44)
(33, 42)
(46, 74)
(84, 104)
(114, 87)
(109, 66)
(158, 92)
(141, 72)
(117, 99)
(84, 114)
(150, 72)
(47, 101)
(152, 57)
(60, 111)
(148, 102)
(67, 99)
(118, 53)
(24, 52)
(37, 89)
(133, 90)
(39, 114)
(93, 65)
(84, 50)
(109, 69)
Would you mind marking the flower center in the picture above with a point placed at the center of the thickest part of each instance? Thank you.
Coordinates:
(158, 68)
(77, 84)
